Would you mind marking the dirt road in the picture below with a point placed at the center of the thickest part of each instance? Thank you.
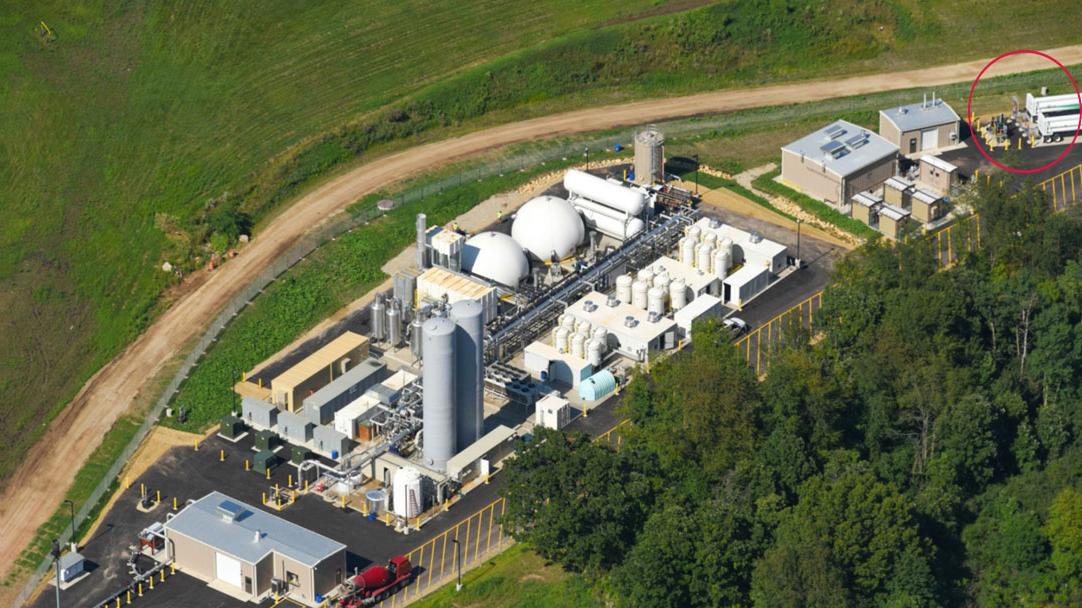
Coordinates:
(38, 486)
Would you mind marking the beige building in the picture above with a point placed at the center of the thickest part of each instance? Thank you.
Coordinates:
(897, 191)
(866, 208)
(920, 127)
(892, 221)
(838, 161)
(937, 174)
(245, 552)
(926, 206)
(315, 371)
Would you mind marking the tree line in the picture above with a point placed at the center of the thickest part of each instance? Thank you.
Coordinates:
(922, 449)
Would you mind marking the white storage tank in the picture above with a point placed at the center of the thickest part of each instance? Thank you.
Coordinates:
(602, 334)
(678, 293)
(562, 337)
(594, 353)
(638, 294)
(646, 275)
(661, 280)
(656, 300)
(709, 238)
(497, 257)
(406, 493)
(569, 323)
(623, 288)
(704, 254)
(547, 227)
(581, 324)
(723, 261)
(693, 234)
(687, 251)
(605, 192)
(578, 344)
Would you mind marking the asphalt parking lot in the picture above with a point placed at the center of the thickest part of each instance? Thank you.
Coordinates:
(969, 159)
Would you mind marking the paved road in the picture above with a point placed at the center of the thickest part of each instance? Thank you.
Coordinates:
(38, 486)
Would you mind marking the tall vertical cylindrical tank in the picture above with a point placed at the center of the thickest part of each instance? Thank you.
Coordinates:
(601, 334)
(562, 337)
(568, 323)
(703, 261)
(594, 352)
(394, 324)
(723, 261)
(661, 280)
(638, 294)
(377, 318)
(693, 233)
(655, 300)
(687, 251)
(578, 343)
(678, 293)
(406, 493)
(469, 369)
(646, 275)
(649, 156)
(438, 381)
(623, 288)
(709, 238)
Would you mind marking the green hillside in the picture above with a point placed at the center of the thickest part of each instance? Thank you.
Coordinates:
(135, 133)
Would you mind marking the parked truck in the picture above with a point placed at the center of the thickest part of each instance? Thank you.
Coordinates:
(1055, 128)
(376, 582)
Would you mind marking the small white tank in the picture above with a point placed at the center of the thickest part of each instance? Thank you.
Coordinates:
(687, 252)
(600, 333)
(723, 261)
(623, 288)
(593, 354)
(709, 238)
(580, 324)
(656, 300)
(726, 243)
(693, 234)
(661, 280)
(678, 293)
(569, 323)
(562, 336)
(578, 346)
(704, 254)
(407, 493)
(646, 275)
(638, 294)
(555, 336)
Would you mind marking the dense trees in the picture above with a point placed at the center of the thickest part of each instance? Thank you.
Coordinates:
(924, 451)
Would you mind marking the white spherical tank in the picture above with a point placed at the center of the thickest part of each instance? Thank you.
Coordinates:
(655, 300)
(406, 493)
(638, 294)
(687, 252)
(578, 343)
(723, 261)
(496, 257)
(678, 293)
(623, 288)
(562, 336)
(703, 261)
(594, 352)
(548, 227)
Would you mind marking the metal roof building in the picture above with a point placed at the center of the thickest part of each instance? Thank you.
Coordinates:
(837, 161)
(320, 406)
(318, 369)
(240, 549)
(918, 127)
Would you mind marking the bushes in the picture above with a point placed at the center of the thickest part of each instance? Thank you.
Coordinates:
(819, 209)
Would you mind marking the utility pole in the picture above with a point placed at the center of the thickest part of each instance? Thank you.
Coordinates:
(696, 174)
(458, 562)
(586, 153)
(56, 560)
(71, 507)
(798, 264)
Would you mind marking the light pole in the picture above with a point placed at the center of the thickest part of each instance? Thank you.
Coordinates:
(696, 174)
(798, 242)
(458, 562)
(71, 507)
(56, 560)
(586, 153)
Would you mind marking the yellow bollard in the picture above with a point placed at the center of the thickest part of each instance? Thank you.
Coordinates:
(221, 455)
(152, 583)
(142, 489)
(172, 568)
(446, 505)
(486, 479)
(127, 483)
(305, 486)
(163, 575)
(157, 496)
(174, 503)
(196, 444)
(268, 472)
(118, 602)
(247, 465)
(1019, 143)
(140, 589)
(289, 483)
(129, 596)
(264, 499)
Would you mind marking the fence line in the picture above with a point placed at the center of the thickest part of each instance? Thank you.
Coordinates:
(1064, 188)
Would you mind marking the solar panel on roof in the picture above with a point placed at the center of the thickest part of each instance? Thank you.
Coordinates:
(831, 147)
(835, 131)
(840, 152)
(858, 138)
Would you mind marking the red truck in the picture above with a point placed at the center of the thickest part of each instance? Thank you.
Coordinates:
(376, 582)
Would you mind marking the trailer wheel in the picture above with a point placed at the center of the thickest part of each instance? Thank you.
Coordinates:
(1059, 137)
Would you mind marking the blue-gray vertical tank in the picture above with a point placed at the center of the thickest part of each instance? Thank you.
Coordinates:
(439, 391)
(468, 315)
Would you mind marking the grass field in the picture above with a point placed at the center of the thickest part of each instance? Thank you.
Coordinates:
(516, 578)
(131, 130)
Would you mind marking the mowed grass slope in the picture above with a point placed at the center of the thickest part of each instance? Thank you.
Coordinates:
(131, 116)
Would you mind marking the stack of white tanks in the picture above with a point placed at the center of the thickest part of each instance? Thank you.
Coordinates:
(453, 367)
(608, 207)
(652, 290)
(580, 339)
(705, 252)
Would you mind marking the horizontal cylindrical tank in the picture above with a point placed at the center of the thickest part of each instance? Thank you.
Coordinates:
(623, 288)
(562, 336)
(638, 294)
(621, 227)
(594, 353)
(438, 381)
(655, 300)
(678, 297)
(723, 261)
(704, 257)
(578, 343)
(605, 192)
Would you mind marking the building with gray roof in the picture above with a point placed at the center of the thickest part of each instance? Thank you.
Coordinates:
(837, 161)
(320, 406)
(240, 550)
(920, 127)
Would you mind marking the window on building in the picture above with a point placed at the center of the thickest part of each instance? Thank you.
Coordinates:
(292, 579)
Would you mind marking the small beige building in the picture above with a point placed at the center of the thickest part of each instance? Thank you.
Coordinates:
(892, 221)
(920, 127)
(937, 174)
(315, 371)
(927, 206)
(838, 161)
(866, 208)
(243, 551)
